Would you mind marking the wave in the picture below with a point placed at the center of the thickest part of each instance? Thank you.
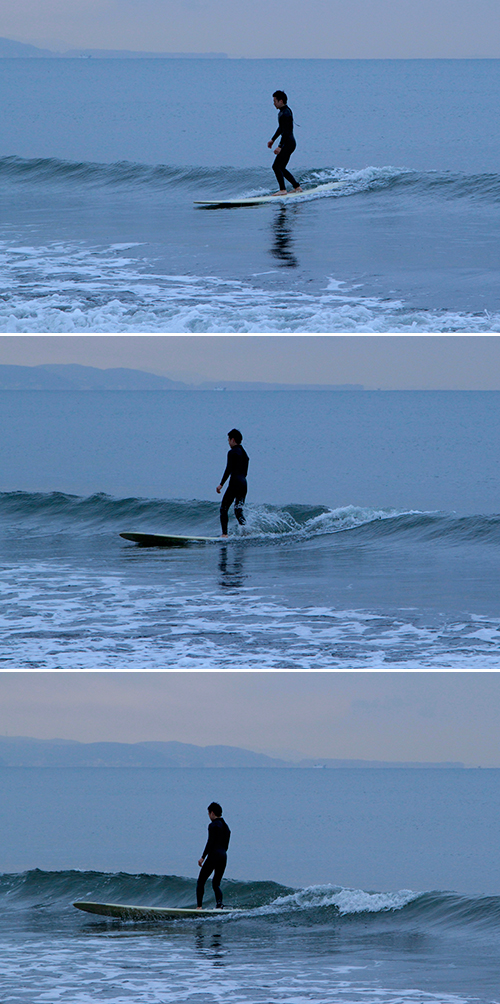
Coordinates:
(42, 513)
(36, 889)
(446, 185)
(59, 889)
(120, 174)
(130, 175)
(250, 181)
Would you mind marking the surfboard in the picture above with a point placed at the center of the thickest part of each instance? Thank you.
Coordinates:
(256, 200)
(169, 539)
(124, 912)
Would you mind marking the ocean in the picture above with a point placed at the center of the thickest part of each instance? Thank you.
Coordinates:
(101, 161)
(375, 886)
(372, 535)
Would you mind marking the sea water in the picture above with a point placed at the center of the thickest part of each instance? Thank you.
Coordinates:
(376, 886)
(372, 535)
(101, 162)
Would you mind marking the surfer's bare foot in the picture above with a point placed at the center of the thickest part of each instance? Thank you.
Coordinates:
(298, 189)
(225, 535)
(282, 191)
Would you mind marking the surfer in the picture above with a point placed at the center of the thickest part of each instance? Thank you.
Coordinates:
(214, 857)
(236, 471)
(287, 144)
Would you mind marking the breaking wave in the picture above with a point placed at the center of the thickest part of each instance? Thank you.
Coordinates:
(43, 513)
(56, 891)
(123, 174)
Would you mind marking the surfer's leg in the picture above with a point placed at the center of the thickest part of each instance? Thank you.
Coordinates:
(219, 870)
(284, 161)
(277, 170)
(227, 500)
(239, 503)
(289, 177)
(238, 511)
(286, 173)
(206, 870)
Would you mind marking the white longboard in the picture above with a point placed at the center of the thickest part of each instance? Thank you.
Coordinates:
(256, 200)
(169, 539)
(124, 912)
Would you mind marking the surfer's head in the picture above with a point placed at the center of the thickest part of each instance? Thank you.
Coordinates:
(215, 809)
(235, 434)
(280, 99)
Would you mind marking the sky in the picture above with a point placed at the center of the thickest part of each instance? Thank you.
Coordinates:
(386, 362)
(427, 716)
(357, 29)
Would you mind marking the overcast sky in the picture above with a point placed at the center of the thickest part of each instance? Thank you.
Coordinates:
(264, 28)
(399, 362)
(381, 716)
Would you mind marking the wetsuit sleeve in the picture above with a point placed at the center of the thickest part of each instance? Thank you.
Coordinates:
(207, 845)
(278, 131)
(229, 468)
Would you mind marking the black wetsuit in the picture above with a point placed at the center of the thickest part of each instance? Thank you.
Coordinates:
(287, 146)
(236, 471)
(215, 855)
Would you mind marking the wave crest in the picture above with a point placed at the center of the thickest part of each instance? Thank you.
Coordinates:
(318, 903)
(248, 181)
(38, 512)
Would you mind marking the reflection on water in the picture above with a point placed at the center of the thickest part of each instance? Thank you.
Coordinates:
(231, 566)
(282, 247)
(209, 944)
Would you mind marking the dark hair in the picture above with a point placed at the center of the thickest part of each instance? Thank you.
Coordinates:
(215, 808)
(281, 96)
(235, 434)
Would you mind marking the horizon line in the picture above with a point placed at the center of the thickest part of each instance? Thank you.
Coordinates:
(74, 51)
(312, 761)
(224, 385)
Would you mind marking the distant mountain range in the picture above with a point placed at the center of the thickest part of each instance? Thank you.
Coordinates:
(21, 50)
(71, 376)
(20, 751)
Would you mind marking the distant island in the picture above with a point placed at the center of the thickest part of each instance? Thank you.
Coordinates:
(71, 376)
(19, 751)
(10, 49)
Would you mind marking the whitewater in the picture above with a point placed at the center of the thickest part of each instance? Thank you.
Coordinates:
(100, 232)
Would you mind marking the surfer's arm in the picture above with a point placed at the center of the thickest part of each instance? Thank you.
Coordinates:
(224, 478)
(205, 852)
(229, 469)
(277, 133)
(211, 843)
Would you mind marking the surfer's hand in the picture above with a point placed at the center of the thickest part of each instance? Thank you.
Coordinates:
(218, 489)
(270, 143)
(277, 150)
(200, 862)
